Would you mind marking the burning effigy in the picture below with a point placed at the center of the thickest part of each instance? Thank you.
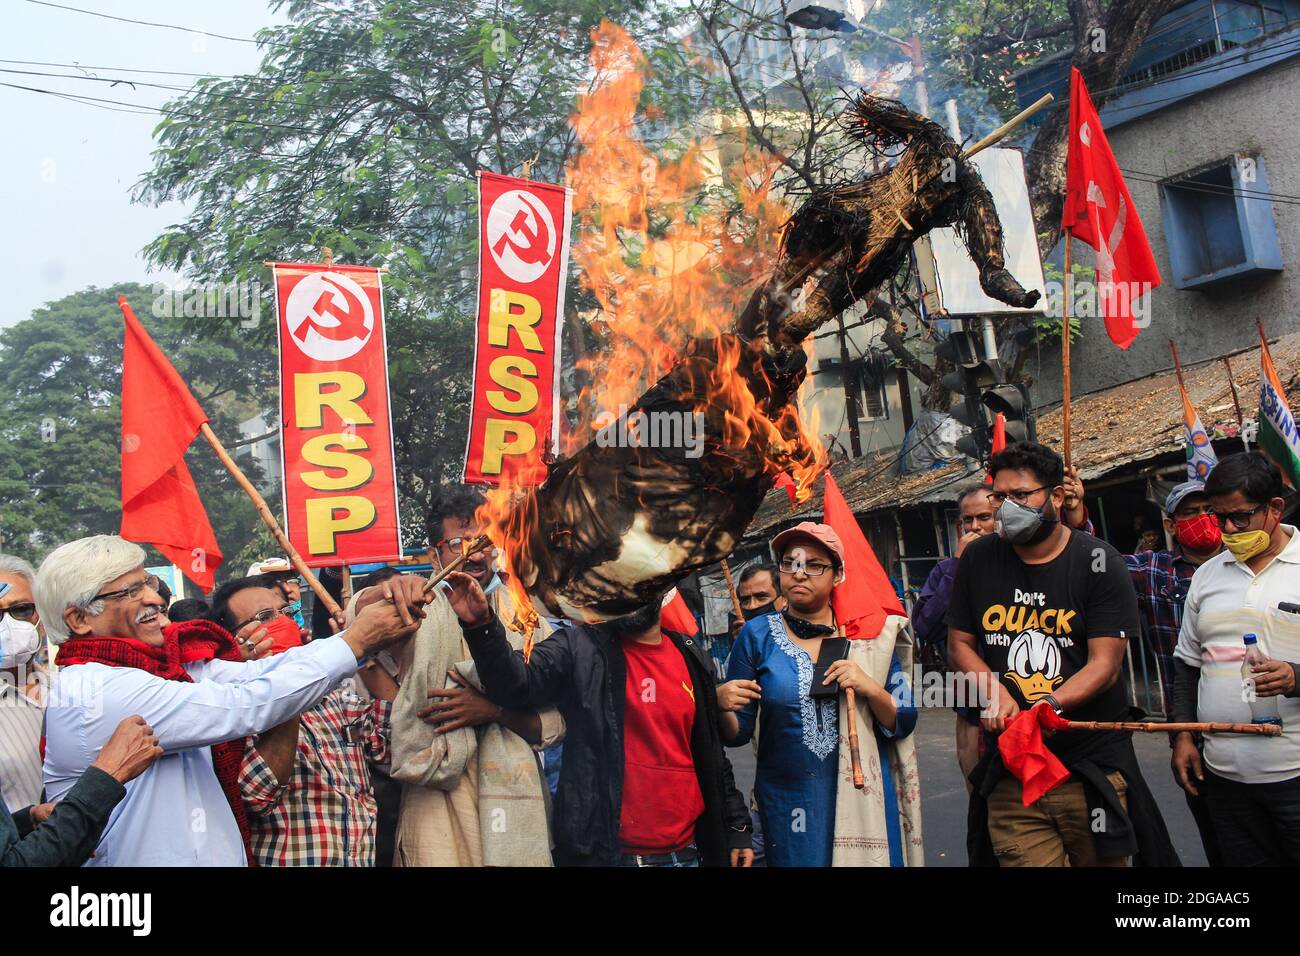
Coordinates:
(706, 318)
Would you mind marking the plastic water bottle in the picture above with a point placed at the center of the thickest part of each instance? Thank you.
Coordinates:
(1263, 710)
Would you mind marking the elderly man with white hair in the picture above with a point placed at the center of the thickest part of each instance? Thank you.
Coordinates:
(101, 607)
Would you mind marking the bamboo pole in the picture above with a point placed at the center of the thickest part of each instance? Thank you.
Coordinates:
(438, 576)
(1008, 126)
(1065, 353)
(346, 572)
(731, 589)
(271, 264)
(1236, 402)
(851, 702)
(264, 512)
(1151, 727)
(1178, 365)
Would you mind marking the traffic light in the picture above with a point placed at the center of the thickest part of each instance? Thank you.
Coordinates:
(984, 393)
(972, 374)
(1013, 402)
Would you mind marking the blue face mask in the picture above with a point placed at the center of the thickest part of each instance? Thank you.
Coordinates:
(294, 610)
(493, 584)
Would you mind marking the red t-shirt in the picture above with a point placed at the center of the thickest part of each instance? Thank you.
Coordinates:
(661, 794)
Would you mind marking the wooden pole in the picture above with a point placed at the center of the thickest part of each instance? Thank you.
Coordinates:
(1065, 354)
(346, 571)
(1008, 126)
(731, 589)
(851, 702)
(264, 512)
(1236, 402)
(1263, 730)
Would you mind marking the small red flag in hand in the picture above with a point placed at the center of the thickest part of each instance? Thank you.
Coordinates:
(1100, 211)
(867, 596)
(160, 418)
(1026, 755)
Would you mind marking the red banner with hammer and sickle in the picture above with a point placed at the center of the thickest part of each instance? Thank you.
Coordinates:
(340, 486)
(523, 261)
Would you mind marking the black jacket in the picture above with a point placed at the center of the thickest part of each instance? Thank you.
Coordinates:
(72, 832)
(581, 671)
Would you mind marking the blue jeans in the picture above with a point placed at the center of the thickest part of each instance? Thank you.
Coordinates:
(677, 860)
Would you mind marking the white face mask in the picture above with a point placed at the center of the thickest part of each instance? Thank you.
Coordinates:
(19, 642)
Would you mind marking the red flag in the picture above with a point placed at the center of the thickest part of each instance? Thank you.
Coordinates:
(866, 597)
(1026, 756)
(784, 480)
(160, 504)
(675, 616)
(1100, 211)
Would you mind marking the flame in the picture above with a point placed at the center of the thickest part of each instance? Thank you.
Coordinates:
(670, 244)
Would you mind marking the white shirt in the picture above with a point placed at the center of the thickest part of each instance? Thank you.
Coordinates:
(175, 813)
(1227, 600)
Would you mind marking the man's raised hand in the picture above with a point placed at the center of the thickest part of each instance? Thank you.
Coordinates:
(387, 621)
(467, 599)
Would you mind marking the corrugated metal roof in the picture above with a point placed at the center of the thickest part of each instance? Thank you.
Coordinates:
(1137, 421)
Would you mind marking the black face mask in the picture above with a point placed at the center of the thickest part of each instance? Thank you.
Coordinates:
(806, 630)
(638, 621)
(761, 611)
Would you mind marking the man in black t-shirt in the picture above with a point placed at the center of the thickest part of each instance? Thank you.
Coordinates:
(1040, 615)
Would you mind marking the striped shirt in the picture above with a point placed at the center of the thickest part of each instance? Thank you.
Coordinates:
(21, 778)
(325, 814)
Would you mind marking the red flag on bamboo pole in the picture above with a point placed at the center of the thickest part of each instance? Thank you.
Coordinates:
(867, 596)
(160, 418)
(1100, 211)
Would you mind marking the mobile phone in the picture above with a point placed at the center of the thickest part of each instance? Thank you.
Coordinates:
(1288, 607)
(832, 650)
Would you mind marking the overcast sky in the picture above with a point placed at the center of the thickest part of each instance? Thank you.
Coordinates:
(67, 168)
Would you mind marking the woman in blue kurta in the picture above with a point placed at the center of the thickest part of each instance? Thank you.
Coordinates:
(769, 679)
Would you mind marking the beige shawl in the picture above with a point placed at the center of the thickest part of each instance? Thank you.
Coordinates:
(860, 833)
(475, 796)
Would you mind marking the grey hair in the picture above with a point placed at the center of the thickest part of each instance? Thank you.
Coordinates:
(12, 564)
(75, 572)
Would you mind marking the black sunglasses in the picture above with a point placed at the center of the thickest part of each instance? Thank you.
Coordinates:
(20, 612)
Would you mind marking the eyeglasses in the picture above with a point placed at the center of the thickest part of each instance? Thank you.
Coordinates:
(265, 616)
(20, 612)
(1019, 497)
(814, 569)
(130, 593)
(1239, 519)
(457, 545)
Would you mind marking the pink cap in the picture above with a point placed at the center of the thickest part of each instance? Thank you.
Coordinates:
(823, 534)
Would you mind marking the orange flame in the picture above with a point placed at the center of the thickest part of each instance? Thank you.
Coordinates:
(670, 244)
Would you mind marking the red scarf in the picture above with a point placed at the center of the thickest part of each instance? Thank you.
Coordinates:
(183, 643)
